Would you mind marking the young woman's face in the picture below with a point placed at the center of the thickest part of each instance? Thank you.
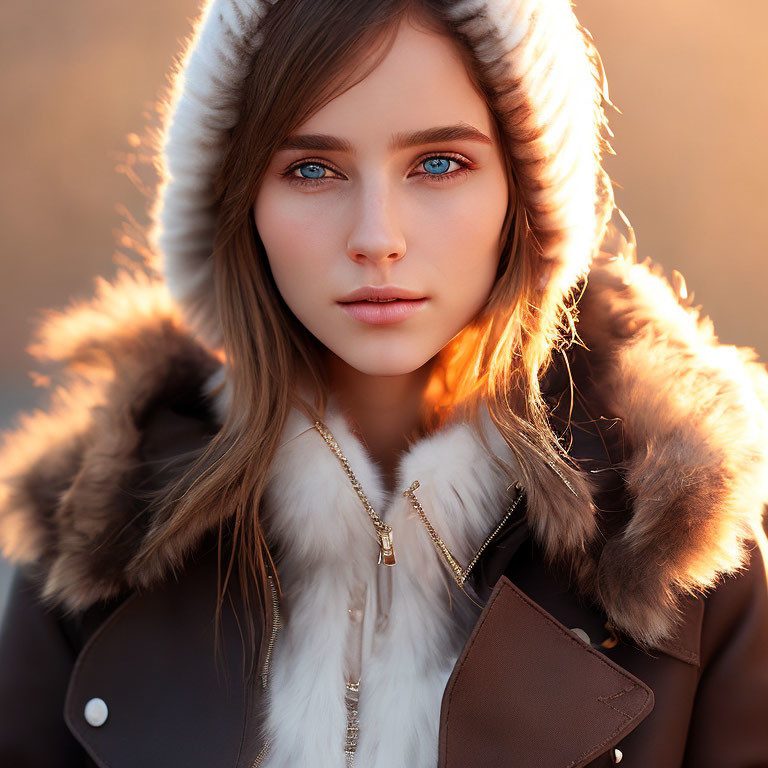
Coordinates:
(366, 197)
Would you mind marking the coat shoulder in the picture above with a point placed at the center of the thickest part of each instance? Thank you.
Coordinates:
(128, 406)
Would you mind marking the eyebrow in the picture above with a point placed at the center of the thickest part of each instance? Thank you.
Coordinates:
(324, 143)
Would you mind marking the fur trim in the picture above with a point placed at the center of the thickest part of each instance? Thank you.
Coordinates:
(71, 476)
(693, 413)
(543, 69)
(695, 424)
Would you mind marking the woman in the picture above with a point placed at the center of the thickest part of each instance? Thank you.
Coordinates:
(395, 465)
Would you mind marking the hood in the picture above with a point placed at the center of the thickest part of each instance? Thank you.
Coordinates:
(670, 423)
(549, 90)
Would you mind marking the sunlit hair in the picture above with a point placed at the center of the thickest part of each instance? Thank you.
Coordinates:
(310, 50)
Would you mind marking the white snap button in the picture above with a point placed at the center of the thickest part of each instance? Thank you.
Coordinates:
(582, 634)
(96, 712)
(617, 755)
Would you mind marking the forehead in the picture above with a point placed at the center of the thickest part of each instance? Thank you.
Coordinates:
(422, 82)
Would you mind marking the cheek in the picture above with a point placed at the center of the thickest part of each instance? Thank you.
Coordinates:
(293, 236)
(463, 239)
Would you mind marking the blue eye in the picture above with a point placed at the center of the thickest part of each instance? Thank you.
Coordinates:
(315, 170)
(437, 164)
(311, 173)
(437, 167)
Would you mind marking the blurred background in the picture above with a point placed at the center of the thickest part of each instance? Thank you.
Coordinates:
(78, 80)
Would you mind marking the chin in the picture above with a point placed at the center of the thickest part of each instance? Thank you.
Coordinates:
(373, 363)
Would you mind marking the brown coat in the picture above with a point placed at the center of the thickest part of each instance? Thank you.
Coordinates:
(668, 424)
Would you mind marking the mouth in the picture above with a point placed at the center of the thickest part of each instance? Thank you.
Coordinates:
(383, 311)
(379, 293)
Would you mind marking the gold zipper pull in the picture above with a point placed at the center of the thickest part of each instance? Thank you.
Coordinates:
(386, 548)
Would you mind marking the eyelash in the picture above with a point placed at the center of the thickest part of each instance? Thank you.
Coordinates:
(438, 178)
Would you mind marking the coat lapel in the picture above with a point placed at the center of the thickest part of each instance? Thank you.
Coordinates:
(527, 691)
(168, 700)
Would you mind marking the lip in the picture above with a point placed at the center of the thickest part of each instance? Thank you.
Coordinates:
(381, 292)
(383, 313)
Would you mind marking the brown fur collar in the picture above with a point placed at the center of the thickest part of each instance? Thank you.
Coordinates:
(683, 419)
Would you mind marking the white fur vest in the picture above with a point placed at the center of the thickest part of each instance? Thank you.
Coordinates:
(327, 558)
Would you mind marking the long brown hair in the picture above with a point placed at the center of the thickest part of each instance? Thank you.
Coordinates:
(309, 49)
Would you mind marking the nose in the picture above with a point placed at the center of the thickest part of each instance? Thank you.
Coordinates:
(376, 235)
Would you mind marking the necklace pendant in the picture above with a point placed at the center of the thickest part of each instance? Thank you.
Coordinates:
(386, 549)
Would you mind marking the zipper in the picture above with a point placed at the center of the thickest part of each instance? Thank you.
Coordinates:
(510, 510)
(383, 530)
(262, 756)
(274, 629)
(351, 699)
(276, 624)
(459, 574)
